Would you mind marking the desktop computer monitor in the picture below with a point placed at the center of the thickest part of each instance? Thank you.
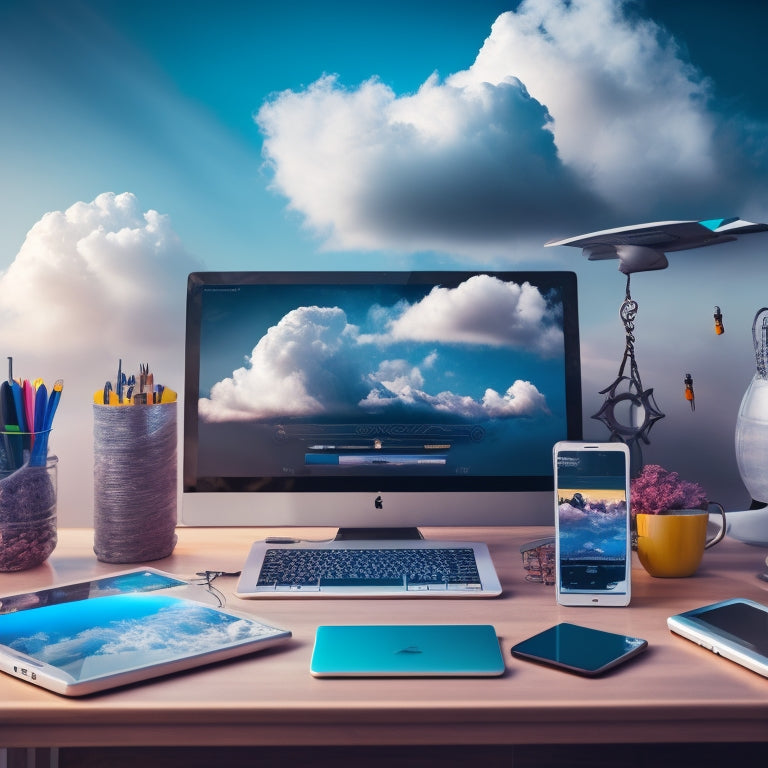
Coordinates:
(377, 400)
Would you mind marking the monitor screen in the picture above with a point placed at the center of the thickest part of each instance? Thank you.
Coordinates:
(377, 399)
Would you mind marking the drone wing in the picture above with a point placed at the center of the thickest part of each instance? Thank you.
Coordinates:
(643, 247)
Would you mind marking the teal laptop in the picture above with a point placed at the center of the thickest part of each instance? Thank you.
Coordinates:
(420, 650)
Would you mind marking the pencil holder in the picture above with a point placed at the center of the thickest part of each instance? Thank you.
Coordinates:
(27, 501)
(135, 475)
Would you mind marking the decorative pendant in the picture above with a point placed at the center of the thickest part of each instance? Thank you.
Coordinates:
(629, 410)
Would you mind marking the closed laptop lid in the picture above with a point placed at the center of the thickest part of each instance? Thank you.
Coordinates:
(463, 650)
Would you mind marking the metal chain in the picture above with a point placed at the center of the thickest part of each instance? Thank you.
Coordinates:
(628, 313)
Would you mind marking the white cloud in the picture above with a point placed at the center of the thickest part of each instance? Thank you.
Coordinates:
(627, 111)
(521, 399)
(99, 281)
(573, 114)
(315, 362)
(98, 278)
(483, 310)
(398, 376)
(303, 365)
(444, 168)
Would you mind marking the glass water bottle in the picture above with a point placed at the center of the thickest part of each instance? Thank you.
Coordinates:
(752, 421)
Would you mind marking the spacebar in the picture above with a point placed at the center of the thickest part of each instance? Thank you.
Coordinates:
(360, 582)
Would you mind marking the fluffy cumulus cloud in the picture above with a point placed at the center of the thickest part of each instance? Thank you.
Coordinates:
(598, 514)
(521, 399)
(572, 112)
(301, 366)
(484, 310)
(314, 362)
(99, 277)
(446, 165)
(626, 110)
(98, 281)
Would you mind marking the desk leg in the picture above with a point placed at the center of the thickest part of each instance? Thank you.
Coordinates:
(29, 757)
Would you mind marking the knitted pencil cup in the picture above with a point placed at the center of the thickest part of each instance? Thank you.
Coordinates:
(134, 482)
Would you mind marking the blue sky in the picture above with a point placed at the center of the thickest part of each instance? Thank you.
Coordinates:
(139, 141)
(158, 99)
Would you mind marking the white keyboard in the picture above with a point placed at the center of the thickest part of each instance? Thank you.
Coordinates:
(369, 568)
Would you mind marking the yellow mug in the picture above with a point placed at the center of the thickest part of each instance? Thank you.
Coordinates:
(671, 544)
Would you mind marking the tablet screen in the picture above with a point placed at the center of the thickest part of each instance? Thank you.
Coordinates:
(740, 623)
(94, 644)
(139, 580)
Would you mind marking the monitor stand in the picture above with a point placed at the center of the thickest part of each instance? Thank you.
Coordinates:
(377, 534)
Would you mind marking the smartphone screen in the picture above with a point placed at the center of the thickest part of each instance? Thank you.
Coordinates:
(579, 649)
(592, 544)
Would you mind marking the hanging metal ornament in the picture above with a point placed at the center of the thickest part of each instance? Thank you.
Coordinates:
(629, 411)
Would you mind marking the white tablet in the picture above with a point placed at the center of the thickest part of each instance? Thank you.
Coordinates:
(84, 646)
(735, 629)
(132, 580)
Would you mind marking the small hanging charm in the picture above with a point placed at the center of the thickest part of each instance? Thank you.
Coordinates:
(642, 411)
(689, 395)
(719, 327)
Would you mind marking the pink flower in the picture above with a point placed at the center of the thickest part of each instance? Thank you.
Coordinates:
(656, 489)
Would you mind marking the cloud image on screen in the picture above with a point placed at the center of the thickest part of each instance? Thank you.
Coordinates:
(593, 528)
(285, 370)
(117, 633)
(316, 360)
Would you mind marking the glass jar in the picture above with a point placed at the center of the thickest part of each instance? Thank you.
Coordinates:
(28, 530)
(752, 439)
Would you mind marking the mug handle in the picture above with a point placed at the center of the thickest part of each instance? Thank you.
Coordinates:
(721, 533)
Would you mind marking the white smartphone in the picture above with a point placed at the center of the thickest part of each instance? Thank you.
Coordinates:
(735, 629)
(593, 548)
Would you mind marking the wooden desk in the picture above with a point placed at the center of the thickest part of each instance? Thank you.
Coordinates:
(676, 692)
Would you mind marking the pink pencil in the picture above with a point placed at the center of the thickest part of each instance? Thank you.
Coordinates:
(28, 398)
